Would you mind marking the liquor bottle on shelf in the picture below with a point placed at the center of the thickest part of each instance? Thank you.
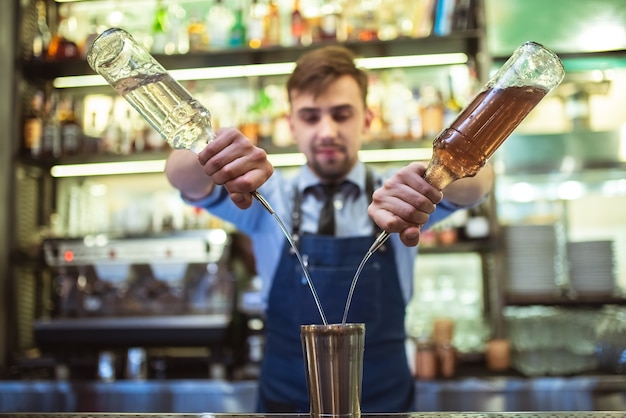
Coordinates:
(51, 132)
(71, 131)
(126, 145)
(160, 28)
(237, 37)
(220, 20)
(262, 110)
(112, 134)
(177, 39)
(198, 35)
(42, 35)
(330, 21)
(367, 21)
(452, 106)
(272, 25)
(95, 29)
(389, 20)
(255, 28)
(33, 125)
(62, 45)
(431, 110)
(297, 24)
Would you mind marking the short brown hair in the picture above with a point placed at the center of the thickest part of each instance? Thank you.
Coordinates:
(317, 69)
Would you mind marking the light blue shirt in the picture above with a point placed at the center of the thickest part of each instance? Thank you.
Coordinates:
(350, 215)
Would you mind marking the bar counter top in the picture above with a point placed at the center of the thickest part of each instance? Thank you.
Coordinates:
(236, 399)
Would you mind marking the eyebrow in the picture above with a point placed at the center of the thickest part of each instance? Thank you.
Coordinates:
(341, 107)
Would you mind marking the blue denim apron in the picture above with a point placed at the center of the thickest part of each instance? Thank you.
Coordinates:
(332, 262)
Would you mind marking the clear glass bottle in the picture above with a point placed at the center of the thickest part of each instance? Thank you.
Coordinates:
(182, 121)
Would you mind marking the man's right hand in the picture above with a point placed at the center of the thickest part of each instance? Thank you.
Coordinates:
(230, 160)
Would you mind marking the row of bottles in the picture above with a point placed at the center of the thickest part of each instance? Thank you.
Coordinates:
(45, 41)
(182, 26)
(113, 206)
(60, 123)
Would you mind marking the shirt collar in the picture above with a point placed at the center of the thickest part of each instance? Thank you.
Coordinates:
(356, 176)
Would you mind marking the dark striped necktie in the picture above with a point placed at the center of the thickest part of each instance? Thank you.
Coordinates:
(326, 225)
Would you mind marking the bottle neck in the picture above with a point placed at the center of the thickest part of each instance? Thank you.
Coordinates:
(438, 175)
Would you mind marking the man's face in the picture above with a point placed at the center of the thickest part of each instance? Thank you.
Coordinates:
(329, 128)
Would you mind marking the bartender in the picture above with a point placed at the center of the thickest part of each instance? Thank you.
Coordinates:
(329, 118)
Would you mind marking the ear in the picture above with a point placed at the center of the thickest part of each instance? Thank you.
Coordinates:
(369, 117)
(290, 117)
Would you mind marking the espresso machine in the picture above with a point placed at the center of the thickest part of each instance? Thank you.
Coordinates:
(164, 301)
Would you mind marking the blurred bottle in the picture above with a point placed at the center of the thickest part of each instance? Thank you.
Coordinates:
(238, 30)
(42, 36)
(263, 111)
(281, 135)
(220, 20)
(255, 30)
(396, 106)
(95, 29)
(297, 24)
(425, 359)
(272, 24)
(198, 35)
(442, 336)
(249, 126)
(367, 20)
(331, 22)
(51, 133)
(431, 111)
(62, 45)
(33, 125)
(111, 137)
(415, 119)
(578, 110)
(160, 28)
(312, 18)
(388, 20)
(138, 128)
(125, 131)
(452, 106)
(352, 16)
(92, 141)
(71, 130)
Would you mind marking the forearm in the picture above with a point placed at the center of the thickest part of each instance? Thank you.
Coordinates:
(184, 172)
(469, 191)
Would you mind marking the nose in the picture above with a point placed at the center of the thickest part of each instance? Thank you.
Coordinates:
(327, 127)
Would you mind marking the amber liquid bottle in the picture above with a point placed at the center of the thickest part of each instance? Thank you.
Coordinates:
(463, 148)
(61, 45)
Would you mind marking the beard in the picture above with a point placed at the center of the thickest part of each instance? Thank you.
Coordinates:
(332, 169)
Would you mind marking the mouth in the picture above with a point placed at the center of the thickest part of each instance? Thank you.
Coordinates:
(328, 152)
